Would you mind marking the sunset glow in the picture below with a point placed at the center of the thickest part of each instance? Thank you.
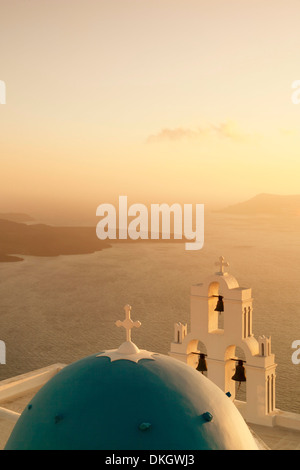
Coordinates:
(164, 101)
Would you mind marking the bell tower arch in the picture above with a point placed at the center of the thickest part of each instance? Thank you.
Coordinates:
(220, 294)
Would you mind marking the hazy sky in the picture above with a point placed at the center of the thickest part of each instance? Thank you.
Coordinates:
(160, 100)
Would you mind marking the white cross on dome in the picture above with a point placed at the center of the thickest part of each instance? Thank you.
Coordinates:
(128, 324)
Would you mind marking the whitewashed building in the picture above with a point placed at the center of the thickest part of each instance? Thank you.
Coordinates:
(219, 334)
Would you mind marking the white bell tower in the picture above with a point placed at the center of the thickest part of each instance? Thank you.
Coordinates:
(222, 333)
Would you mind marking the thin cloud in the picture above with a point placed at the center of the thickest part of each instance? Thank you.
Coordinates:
(227, 130)
(173, 135)
(289, 132)
(230, 130)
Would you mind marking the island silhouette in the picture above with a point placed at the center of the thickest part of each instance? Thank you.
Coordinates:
(44, 240)
(267, 204)
(17, 239)
(19, 235)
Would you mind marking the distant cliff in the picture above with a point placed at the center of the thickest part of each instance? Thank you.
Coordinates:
(267, 204)
(15, 217)
(44, 240)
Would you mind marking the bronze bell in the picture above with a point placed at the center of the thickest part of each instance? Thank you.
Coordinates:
(240, 373)
(202, 365)
(220, 305)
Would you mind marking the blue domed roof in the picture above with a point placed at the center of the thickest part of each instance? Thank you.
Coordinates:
(157, 402)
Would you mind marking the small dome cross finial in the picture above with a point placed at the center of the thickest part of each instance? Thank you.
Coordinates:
(128, 350)
(222, 264)
(128, 324)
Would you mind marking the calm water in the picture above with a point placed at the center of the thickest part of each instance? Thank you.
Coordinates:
(61, 309)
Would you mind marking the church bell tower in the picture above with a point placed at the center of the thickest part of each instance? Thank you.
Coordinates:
(221, 321)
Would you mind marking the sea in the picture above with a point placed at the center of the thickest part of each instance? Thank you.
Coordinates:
(60, 309)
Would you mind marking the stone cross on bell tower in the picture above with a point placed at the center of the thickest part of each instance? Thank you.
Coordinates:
(223, 264)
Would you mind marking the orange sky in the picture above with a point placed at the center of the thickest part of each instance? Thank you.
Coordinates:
(163, 101)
